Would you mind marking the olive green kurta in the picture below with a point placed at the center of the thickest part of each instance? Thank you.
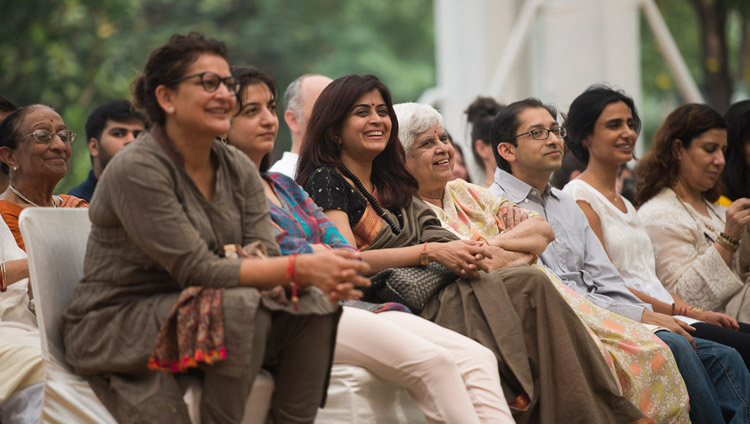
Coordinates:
(153, 234)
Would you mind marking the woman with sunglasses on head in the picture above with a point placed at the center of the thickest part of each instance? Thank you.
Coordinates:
(353, 166)
(450, 377)
(36, 146)
(173, 219)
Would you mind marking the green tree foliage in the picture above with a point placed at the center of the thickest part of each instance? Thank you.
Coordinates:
(716, 70)
(76, 54)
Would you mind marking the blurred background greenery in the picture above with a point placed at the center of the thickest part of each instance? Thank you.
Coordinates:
(76, 54)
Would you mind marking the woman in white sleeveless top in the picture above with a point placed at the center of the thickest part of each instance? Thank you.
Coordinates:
(603, 126)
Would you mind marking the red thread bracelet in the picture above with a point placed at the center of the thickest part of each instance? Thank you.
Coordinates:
(291, 275)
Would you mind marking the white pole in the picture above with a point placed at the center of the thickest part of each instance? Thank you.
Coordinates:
(685, 82)
(518, 36)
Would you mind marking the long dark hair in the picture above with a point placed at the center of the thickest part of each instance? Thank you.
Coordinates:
(586, 109)
(736, 175)
(659, 168)
(394, 184)
(247, 77)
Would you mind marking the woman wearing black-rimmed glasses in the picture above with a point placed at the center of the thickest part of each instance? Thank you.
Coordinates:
(170, 216)
(36, 146)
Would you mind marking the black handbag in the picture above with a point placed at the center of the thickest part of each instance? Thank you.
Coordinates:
(411, 286)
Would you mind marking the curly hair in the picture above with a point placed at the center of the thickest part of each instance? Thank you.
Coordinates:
(659, 168)
(167, 63)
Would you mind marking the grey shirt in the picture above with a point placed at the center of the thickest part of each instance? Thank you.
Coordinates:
(576, 255)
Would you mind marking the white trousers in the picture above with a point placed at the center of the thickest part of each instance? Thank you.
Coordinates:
(451, 378)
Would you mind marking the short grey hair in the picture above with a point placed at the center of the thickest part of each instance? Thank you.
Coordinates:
(293, 97)
(414, 119)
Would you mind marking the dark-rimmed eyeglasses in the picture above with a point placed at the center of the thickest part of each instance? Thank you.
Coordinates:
(211, 81)
(543, 133)
(45, 137)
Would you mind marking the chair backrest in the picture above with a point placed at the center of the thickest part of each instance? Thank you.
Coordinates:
(55, 240)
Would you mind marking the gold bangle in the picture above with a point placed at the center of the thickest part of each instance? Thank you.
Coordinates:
(729, 239)
(696, 308)
(3, 280)
(727, 244)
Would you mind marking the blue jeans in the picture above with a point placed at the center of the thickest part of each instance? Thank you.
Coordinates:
(716, 379)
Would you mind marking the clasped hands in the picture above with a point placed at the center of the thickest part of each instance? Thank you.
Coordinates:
(335, 272)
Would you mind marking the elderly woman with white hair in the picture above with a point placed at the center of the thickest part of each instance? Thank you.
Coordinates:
(517, 236)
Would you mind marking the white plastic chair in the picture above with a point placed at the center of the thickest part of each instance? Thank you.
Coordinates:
(356, 395)
(56, 244)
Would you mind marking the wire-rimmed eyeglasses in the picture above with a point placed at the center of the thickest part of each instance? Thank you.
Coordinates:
(44, 136)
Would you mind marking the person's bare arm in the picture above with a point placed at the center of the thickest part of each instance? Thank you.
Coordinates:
(594, 222)
(502, 258)
(336, 272)
(16, 271)
(341, 219)
(465, 258)
(531, 235)
(672, 324)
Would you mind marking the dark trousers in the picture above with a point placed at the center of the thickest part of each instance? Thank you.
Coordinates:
(738, 339)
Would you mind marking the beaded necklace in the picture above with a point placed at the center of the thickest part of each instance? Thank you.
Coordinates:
(708, 226)
(372, 200)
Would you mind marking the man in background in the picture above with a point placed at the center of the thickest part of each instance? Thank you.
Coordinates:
(299, 99)
(109, 128)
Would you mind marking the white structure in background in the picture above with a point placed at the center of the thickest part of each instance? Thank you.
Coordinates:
(551, 49)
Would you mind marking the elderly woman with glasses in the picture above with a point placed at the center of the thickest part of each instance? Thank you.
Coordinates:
(35, 144)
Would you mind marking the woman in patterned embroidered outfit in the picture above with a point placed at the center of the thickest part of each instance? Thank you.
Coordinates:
(160, 232)
(602, 128)
(472, 212)
(352, 166)
(695, 241)
(451, 378)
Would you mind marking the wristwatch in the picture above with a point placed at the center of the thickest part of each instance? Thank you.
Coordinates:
(424, 259)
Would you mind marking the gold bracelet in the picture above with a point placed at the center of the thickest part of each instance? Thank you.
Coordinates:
(729, 239)
(3, 279)
(727, 244)
(696, 308)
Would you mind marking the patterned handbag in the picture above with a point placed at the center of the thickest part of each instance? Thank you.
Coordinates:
(412, 286)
